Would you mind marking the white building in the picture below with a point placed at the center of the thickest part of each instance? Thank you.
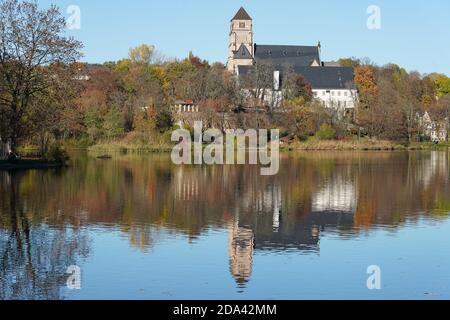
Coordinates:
(435, 130)
(331, 84)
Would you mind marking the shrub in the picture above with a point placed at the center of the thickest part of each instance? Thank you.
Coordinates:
(56, 154)
(164, 121)
(326, 132)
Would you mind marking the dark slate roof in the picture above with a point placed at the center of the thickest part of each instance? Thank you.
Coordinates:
(242, 15)
(242, 53)
(319, 77)
(298, 234)
(331, 64)
(294, 56)
(327, 77)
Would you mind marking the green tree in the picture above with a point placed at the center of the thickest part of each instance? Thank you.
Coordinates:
(326, 132)
(94, 124)
(113, 123)
(443, 87)
(350, 62)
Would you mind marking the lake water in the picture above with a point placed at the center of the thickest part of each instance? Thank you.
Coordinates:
(139, 227)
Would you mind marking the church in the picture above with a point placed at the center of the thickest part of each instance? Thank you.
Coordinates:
(331, 84)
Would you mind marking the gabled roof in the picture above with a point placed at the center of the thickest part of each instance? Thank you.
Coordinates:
(295, 56)
(241, 15)
(331, 64)
(330, 78)
(242, 53)
(327, 77)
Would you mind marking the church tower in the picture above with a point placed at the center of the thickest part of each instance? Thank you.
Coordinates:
(240, 50)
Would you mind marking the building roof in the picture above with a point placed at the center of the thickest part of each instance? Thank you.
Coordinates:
(241, 15)
(331, 64)
(327, 77)
(242, 53)
(298, 234)
(295, 56)
(187, 102)
(319, 77)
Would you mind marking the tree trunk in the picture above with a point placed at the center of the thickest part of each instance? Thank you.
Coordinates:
(8, 147)
(12, 147)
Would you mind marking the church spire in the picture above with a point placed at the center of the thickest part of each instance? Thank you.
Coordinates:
(242, 15)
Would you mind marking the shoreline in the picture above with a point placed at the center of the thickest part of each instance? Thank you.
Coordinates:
(366, 145)
(28, 164)
(312, 145)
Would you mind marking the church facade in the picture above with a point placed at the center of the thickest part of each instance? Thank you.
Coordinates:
(331, 84)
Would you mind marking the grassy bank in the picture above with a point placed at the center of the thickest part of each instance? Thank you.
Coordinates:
(133, 142)
(119, 146)
(344, 145)
(360, 145)
(312, 144)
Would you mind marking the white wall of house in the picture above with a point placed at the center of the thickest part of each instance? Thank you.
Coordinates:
(333, 99)
(336, 98)
(435, 130)
(339, 99)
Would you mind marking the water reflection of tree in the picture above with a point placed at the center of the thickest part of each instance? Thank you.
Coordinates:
(34, 255)
(137, 191)
(313, 193)
(408, 186)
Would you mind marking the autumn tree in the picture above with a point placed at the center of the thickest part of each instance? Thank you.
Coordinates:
(142, 54)
(260, 81)
(31, 39)
(366, 115)
(388, 114)
(349, 62)
(296, 86)
(49, 116)
(187, 78)
(366, 83)
(141, 82)
(145, 122)
(442, 84)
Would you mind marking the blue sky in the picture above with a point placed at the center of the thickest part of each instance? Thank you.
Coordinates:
(414, 35)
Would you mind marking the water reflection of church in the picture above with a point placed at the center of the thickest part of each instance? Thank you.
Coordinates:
(260, 226)
(44, 228)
